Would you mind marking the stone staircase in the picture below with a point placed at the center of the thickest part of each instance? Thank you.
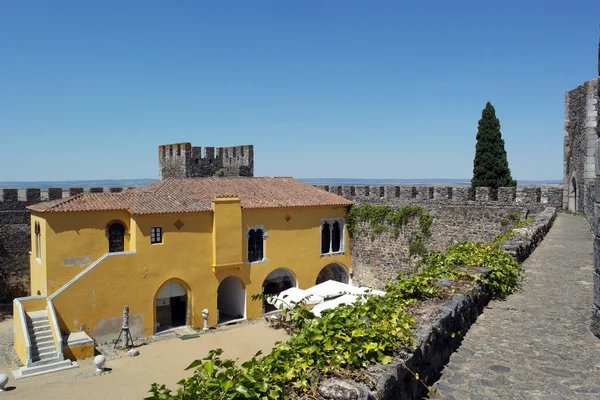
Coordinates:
(44, 355)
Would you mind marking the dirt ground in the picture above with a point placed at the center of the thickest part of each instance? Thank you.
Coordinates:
(161, 362)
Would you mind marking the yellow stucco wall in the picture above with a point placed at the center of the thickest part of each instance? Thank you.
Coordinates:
(79, 352)
(19, 336)
(293, 243)
(94, 303)
(74, 240)
(227, 242)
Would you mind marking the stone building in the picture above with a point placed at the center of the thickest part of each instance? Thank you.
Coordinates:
(181, 160)
(596, 306)
(579, 169)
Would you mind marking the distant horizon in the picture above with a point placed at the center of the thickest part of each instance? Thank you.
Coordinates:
(87, 183)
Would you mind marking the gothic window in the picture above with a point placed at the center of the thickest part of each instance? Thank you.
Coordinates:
(156, 235)
(256, 244)
(325, 238)
(332, 236)
(38, 241)
(335, 237)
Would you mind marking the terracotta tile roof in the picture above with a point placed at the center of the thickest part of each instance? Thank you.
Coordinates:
(182, 195)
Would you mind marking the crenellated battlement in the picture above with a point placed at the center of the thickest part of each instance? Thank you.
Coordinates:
(36, 195)
(182, 160)
(401, 195)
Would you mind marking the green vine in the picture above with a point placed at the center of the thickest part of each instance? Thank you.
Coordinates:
(378, 217)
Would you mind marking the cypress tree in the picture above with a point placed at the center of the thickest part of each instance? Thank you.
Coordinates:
(490, 166)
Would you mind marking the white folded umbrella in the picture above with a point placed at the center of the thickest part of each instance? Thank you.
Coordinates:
(326, 305)
(331, 289)
(294, 295)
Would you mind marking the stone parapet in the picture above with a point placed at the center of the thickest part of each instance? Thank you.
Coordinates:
(533, 198)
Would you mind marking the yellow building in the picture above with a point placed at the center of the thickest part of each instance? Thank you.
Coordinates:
(173, 248)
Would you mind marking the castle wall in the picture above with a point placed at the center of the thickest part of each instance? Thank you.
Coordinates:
(380, 256)
(579, 169)
(182, 160)
(458, 216)
(595, 325)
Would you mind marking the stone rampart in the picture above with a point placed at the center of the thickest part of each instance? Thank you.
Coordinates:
(530, 198)
(378, 256)
(435, 342)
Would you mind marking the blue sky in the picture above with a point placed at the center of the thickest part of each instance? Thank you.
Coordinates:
(345, 89)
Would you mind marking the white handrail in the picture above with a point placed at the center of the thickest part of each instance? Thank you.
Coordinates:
(29, 360)
(59, 345)
(88, 269)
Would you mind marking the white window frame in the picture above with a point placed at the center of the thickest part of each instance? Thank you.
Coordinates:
(152, 233)
(265, 237)
(342, 222)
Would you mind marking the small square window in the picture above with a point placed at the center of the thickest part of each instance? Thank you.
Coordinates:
(156, 235)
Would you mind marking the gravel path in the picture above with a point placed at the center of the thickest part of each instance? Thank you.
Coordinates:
(537, 344)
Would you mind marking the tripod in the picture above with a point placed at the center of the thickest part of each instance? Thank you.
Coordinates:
(125, 329)
(127, 338)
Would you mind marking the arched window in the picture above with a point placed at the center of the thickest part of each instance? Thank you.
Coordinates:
(256, 244)
(325, 238)
(335, 237)
(116, 237)
(332, 236)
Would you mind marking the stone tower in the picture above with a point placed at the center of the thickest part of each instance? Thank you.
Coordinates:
(595, 326)
(181, 160)
(582, 106)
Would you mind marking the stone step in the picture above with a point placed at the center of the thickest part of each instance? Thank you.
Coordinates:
(38, 314)
(57, 365)
(42, 342)
(39, 329)
(41, 348)
(38, 318)
(40, 322)
(46, 360)
(39, 339)
(43, 354)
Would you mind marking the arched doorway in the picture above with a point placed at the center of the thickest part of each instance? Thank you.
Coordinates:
(171, 306)
(276, 282)
(573, 195)
(231, 300)
(335, 272)
(116, 236)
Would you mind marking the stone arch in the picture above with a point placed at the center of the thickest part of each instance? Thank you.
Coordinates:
(276, 282)
(172, 305)
(573, 193)
(231, 300)
(335, 272)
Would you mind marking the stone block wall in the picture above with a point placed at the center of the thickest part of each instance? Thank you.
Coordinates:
(379, 257)
(579, 169)
(595, 325)
(458, 216)
(181, 160)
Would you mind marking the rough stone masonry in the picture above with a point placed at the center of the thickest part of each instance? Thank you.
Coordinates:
(595, 325)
